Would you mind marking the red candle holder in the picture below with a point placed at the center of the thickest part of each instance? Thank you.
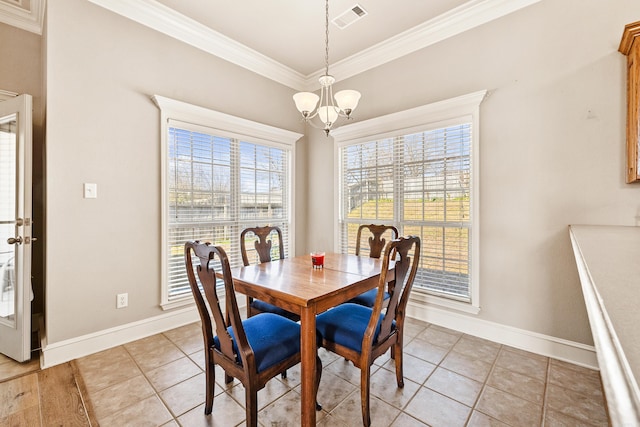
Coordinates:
(317, 259)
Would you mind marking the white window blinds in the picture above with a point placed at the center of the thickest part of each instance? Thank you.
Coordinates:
(218, 185)
(421, 183)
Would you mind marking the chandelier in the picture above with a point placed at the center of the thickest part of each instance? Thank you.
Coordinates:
(331, 106)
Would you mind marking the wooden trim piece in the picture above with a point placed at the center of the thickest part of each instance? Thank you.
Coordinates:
(632, 51)
(631, 31)
(633, 125)
(84, 393)
(61, 402)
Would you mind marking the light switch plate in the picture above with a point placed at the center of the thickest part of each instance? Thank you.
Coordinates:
(90, 190)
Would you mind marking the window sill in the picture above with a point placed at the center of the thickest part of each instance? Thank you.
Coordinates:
(427, 299)
(177, 303)
(188, 300)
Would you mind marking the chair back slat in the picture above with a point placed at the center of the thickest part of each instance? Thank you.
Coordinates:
(208, 288)
(262, 244)
(404, 252)
(206, 276)
(376, 241)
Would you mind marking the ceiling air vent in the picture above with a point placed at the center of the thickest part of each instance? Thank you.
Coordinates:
(347, 18)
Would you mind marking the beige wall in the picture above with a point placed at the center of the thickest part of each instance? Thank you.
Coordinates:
(552, 138)
(103, 128)
(551, 150)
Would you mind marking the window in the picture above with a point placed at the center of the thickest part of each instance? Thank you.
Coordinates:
(219, 176)
(422, 178)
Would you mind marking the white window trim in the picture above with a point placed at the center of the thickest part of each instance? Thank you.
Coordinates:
(247, 130)
(406, 122)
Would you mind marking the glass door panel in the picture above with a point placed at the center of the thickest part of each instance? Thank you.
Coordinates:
(8, 145)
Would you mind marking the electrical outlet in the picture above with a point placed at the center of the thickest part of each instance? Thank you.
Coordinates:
(122, 300)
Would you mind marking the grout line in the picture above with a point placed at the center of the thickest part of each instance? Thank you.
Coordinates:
(157, 393)
(484, 386)
(546, 391)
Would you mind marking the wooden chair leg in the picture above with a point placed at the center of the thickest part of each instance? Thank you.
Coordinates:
(318, 377)
(249, 311)
(251, 403)
(364, 394)
(398, 359)
(210, 378)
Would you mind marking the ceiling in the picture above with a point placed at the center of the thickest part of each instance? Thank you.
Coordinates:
(292, 32)
(284, 40)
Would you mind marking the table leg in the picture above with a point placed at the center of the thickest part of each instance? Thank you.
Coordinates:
(308, 355)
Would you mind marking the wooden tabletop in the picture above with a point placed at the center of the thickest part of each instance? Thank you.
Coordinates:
(295, 285)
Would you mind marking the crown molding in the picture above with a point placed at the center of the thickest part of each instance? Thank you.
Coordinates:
(29, 19)
(456, 21)
(167, 21)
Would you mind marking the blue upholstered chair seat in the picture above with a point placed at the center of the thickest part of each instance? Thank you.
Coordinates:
(368, 299)
(272, 338)
(265, 307)
(346, 324)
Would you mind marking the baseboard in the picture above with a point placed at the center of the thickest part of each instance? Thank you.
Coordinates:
(568, 351)
(64, 351)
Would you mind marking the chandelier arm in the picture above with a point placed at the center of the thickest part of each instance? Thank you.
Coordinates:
(330, 98)
(308, 117)
(313, 123)
(338, 110)
(323, 95)
(318, 124)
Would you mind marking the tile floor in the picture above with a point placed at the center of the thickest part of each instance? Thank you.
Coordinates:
(451, 379)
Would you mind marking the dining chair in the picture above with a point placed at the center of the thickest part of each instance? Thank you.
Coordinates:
(362, 334)
(254, 350)
(376, 245)
(264, 248)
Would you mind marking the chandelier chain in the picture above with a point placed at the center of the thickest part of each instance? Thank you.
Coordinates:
(326, 39)
(327, 107)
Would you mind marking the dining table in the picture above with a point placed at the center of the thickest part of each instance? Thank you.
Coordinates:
(296, 285)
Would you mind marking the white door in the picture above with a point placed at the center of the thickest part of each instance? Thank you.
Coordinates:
(15, 228)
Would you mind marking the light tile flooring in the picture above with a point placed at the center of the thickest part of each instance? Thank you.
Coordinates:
(451, 379)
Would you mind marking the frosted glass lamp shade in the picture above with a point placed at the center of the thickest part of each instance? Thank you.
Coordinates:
(328, 115)
(305, 101)
(347, 100)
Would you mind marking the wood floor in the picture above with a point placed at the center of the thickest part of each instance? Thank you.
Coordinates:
(32, 397)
